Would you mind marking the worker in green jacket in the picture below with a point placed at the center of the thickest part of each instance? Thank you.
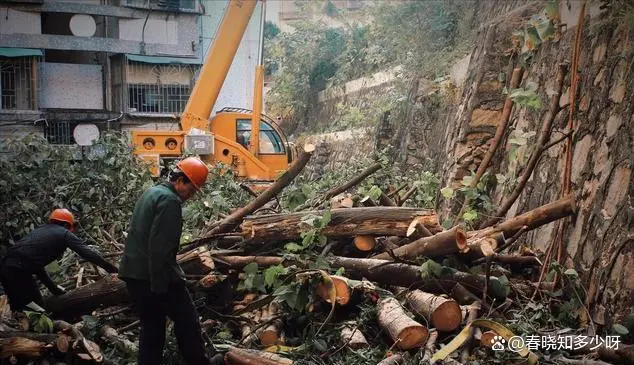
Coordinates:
(154, 280)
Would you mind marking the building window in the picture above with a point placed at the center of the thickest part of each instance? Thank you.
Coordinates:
(18, 86)
(147, 98)
(158, 88)
(270, 141)
(60, 132)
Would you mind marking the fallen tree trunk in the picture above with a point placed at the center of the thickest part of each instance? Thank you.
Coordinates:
(22, 347)
(532, 219)
(375, 221)
(400, 274)
(441, 244)
(234, 219)
(106, 292)
(404, 331)
(237, 356)
(111, 291)
(444, 314)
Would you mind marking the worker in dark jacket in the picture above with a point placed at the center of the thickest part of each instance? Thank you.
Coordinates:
(31, 254)
(154, 280)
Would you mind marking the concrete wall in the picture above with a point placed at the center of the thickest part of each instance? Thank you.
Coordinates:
(15, 21)
(71, 86)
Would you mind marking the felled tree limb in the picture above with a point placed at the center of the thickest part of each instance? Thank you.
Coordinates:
(441, 244)
(542, 139)
(353, 182)
(237, 356)
(238, 262)
(531, 219)
(21, 347)
(399, 274)
(353, 338)
(234, 219)
(408, 194)
(374, 221)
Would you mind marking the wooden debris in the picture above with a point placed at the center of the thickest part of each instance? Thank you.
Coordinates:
(404, 331)
(376, 221)
(353, 338)
(441, 244)
(344, 293)
(364, 242)
(237, 356)
(444, 314)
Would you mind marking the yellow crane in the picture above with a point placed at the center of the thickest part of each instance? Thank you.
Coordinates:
(252, 143)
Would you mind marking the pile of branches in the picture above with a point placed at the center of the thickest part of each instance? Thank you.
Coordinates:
(343, 279)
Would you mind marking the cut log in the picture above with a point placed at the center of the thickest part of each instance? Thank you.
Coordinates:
(238, 262)
(110, 290)
(417, 230)
(237, 356)
(441, 244)
(234, 219)
(404, 331)
(364, 243)
(400, 274)
(341, 201)
(111, 336)
(444, 314)
(353, 338)
(344, 293)
(270, 334)
(377, 221)
(532, 219)
(353, 182)
(196, 262)
(21, 347)
(106, 292)
(486, 340)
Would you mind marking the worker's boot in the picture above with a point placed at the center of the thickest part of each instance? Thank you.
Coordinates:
(217, 359)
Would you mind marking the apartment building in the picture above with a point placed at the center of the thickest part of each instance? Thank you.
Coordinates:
(109, 64)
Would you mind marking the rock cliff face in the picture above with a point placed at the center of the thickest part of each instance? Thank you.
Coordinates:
(448, 128)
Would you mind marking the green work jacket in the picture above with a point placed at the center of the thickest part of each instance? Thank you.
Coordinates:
(153, 239)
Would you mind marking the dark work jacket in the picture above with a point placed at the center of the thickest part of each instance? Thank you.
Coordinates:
(153, 239)
(47, 243)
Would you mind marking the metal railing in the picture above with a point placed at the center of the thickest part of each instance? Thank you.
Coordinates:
(18, 83)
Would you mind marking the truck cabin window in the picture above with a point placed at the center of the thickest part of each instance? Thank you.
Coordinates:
(270, 141)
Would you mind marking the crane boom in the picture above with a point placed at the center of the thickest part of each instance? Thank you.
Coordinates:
(216, 66)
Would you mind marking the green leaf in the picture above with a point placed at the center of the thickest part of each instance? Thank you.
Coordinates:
(447, 192)
(470, 215)
(340, 271)
(293, 247)
(620, 329)
(272, 273)
(572, 273)
(251, 269)
(320, 345)
(430, 269)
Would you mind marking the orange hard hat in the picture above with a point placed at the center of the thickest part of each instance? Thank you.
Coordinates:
(62, 215)
(195, 170)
